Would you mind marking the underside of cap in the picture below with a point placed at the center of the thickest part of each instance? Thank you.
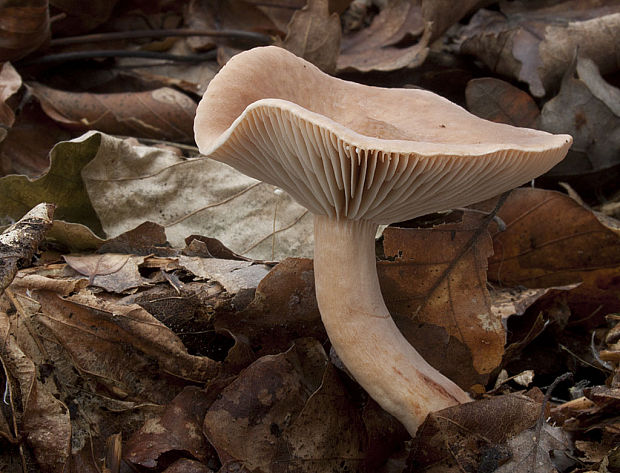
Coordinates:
(352, 151)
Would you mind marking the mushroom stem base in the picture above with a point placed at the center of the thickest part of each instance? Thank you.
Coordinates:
(362, 331)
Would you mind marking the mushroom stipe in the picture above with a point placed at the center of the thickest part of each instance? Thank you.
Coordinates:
(358, 156)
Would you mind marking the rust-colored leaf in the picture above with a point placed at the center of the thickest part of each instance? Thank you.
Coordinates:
(24, 28)
(162, 113)
(437, 285)
(549, 241)
(314, 34)
(498, 101)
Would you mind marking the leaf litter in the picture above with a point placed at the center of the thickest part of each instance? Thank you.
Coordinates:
(169, 322)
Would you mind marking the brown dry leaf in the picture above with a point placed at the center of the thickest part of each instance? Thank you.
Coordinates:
(597, 410)
(514, 300)
(94, 414)
(378, 47)
(10, 83)
(288, 409)
(499, 101)
(548, 242)
(284, 309)
(96, 265)
(314, 34)
(101, 336)
(438, 283)
(146, 239)
(40, 412)
(470, 437)
(113, 272)
(537, 45)
(24, 28)
(178, 429)
(400, 34)
(442, 14)
(588, 108)
(26, 147)
(162, 113)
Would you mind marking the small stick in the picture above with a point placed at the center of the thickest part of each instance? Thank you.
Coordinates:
(256, 39)
(79, 55)
(20, 241)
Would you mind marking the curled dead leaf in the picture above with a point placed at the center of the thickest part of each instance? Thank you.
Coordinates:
(162, 113)
(39, 411)
(377, 46)
(588, 108)
(536, 45)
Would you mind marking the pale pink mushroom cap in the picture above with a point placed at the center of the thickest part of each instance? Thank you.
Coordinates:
(347, 150)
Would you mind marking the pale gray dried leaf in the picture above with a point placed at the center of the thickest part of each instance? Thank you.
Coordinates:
(536, 46)
(130, 184)
(588, 108)
(96, 265)
(530, 454)
(234, 276)
(110, 271)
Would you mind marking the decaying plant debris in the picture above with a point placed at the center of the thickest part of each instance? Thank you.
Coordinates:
(166, 320)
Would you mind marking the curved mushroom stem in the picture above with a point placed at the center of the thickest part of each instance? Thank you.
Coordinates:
(362, 331)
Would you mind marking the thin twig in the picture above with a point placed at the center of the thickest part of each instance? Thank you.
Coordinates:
(257, 39)
(541, 418)
(79, 55)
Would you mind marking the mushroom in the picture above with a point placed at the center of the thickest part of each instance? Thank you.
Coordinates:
(358, 156)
